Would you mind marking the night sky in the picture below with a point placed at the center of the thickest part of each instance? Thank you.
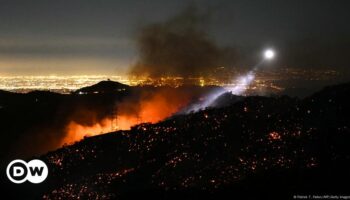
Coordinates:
(98, 37)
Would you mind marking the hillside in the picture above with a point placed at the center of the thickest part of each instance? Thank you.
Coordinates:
(103, 87)
(257, 147)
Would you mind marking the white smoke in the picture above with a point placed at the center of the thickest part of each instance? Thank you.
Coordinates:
(240, 85)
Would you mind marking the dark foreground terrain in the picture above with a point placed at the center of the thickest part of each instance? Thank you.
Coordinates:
(256, 148)
(35, 123)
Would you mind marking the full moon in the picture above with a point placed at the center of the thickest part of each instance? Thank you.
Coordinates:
(269, 54)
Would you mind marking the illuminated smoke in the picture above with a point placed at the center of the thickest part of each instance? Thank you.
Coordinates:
(242, 83)
(149, 106)
(240, 86)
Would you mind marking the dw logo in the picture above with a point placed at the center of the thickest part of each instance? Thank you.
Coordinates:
(35, 171)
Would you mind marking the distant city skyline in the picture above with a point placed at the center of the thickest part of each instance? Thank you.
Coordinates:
(99, 37)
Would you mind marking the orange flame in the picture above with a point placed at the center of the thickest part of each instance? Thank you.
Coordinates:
(152, 109)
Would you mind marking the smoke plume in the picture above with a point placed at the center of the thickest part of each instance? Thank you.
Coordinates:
(179, 46)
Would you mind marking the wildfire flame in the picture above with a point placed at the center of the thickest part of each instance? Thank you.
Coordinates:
(155, 108)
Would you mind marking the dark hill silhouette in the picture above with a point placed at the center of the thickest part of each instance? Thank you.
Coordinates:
(259, 147)
(30, 118)
(225, 100)
(103, 87)
(3, 92)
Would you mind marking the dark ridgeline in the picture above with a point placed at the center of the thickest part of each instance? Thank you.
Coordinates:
(103, 87)
(259, 147)
(27, 120)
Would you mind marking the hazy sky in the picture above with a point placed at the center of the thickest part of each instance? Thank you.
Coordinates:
(85, 36)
